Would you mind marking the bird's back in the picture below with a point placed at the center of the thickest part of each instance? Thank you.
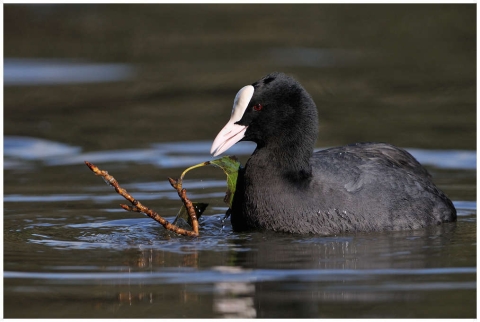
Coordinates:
(377, 186)
(359, 187)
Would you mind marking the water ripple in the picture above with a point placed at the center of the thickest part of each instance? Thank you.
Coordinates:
(238, 274)
(20, 72)
(177, 155)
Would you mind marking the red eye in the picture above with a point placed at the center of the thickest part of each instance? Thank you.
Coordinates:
(258, 107)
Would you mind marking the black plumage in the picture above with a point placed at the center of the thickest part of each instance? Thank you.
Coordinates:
(286, 187)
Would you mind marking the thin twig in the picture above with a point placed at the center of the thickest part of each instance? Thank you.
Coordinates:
(138, 207)
(182, 193)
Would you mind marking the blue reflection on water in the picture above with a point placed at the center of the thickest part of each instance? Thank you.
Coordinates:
(21, 72)
(237, 274)
(179, 154)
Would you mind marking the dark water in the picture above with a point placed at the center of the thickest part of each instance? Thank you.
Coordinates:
(144, 97)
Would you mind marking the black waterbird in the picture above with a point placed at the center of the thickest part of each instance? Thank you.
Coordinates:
(286, 187)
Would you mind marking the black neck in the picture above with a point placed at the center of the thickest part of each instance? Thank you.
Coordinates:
(287, 155)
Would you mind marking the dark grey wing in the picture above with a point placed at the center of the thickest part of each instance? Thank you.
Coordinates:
(384, 183)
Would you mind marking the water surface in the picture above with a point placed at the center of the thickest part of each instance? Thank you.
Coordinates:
(142, 90)
(74, 252)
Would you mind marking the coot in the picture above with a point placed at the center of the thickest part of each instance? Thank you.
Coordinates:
(286, 187)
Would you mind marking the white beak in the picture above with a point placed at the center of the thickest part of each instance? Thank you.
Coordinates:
(228, 136)
(231, 132)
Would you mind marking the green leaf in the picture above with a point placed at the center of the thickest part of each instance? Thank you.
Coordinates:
(230, 166)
